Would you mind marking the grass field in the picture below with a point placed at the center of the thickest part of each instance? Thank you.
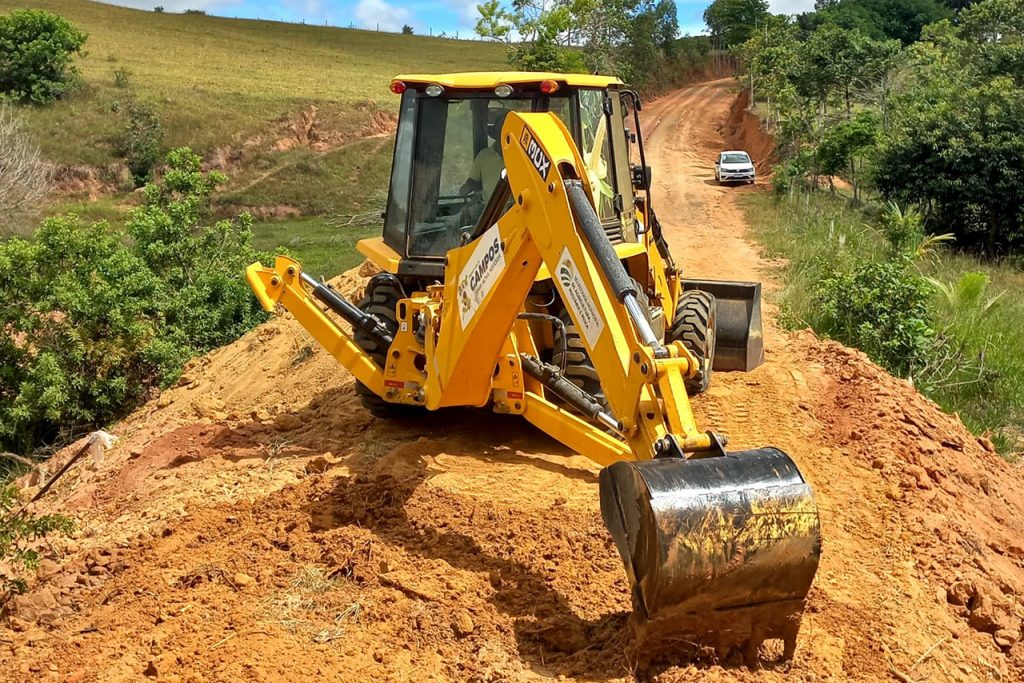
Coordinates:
(219, 84)
(816, 235)
(219, 81)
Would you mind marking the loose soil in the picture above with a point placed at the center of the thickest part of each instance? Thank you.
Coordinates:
(255, 523)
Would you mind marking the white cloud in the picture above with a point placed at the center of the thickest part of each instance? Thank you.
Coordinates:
(790, 6)
(467, 11)
(378, 13)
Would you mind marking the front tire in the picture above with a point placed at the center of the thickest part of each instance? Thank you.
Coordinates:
(694, 325)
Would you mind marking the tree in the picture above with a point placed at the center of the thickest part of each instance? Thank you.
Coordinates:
(844, 145)
(24, 176)
(407, 30)
(494, 21)
(956, 137)
(37, 49)
(733, 21)
(544, 31)
(902, 20)
(957, 153)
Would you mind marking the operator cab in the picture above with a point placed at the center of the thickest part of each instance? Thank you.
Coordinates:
(447, 159)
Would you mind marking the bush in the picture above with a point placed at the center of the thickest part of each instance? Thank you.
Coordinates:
(36, 53)
(882, 308)
(17, 532)
(92, 325)
(140, 141)
(122, 76)
(24, 176)
(206, 303)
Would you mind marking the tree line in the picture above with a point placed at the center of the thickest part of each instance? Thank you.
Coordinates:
(637, 40)
(915, 101)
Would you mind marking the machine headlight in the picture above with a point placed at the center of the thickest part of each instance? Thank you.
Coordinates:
(503, 90)
(433, 90)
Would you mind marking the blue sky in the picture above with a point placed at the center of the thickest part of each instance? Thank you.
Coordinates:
(446, 15)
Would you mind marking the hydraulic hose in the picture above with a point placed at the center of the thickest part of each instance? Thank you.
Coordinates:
(609, 263)
(551, 378)
(358, 319)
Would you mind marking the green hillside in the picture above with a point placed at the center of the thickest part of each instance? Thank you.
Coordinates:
(238, 92)
(215, 81)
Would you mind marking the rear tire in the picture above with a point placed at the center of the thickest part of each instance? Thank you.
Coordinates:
(383, 293)
(572, 355)
(694, 325)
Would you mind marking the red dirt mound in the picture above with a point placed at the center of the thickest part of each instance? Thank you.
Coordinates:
(744, 130)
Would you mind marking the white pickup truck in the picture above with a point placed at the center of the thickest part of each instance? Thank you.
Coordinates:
(734, 166)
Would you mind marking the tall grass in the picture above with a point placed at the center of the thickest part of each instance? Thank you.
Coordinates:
(976, 363)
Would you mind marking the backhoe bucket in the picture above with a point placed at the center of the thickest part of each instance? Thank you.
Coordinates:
(739, 342)
(720, 551)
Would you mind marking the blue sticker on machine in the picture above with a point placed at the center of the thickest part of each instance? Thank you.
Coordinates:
(536, 153)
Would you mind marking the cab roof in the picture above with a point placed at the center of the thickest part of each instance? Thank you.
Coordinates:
(489, 79)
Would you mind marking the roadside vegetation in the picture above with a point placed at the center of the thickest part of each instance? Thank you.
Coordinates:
(95, 320)
(899, 204)
(947, 321)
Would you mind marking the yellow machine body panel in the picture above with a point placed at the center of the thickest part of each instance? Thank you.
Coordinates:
(475, 80)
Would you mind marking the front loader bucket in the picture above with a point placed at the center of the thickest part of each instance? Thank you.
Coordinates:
(739, 341)
(720, 551)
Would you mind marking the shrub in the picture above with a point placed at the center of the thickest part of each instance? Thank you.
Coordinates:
(93, 325)
(207, 303)
(140, 141)
(24, 176)
(17, 532)
(36, 53)
(881, 308)
(83, 336)
(122, 76)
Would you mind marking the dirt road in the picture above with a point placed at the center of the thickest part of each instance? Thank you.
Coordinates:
(255, 523)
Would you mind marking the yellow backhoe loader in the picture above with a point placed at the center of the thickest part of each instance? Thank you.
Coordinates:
(525, 270)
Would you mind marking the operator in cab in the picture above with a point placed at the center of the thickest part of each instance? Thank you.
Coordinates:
(486, 170)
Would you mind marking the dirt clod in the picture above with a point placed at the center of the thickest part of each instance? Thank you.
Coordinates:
(463, 623)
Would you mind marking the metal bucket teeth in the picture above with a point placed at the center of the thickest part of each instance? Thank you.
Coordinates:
(720, 551)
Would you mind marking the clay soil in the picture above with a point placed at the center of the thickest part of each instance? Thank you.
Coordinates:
(256, 524)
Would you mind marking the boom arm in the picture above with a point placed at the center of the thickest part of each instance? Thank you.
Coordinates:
(469, 320)
(552, 221)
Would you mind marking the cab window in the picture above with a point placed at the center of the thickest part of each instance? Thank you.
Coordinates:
(456, 165)
(596, 150)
